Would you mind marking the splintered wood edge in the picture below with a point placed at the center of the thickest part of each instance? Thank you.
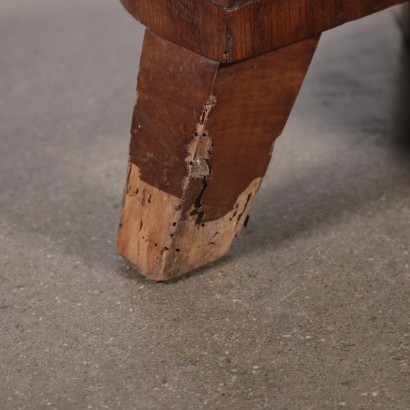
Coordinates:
(162, 242)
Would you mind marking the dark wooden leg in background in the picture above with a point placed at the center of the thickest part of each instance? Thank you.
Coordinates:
(406, 21)
(202, 138)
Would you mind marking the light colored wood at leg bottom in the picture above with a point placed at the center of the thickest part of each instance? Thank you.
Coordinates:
(161, 242)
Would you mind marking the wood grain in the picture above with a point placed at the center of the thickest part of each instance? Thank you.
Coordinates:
(162, 243)
(234, 30)
(260, 26)
(197, 26)
(173, 86)
(202, 137)
(255, 98)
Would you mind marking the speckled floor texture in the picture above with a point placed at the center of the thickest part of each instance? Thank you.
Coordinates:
(311, 310)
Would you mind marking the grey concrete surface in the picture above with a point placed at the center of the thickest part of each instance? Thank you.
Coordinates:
(310, 311)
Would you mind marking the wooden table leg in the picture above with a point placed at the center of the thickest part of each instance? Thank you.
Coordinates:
(202, 138)
(406, 21)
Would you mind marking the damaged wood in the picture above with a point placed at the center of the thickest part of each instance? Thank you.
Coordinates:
(216, 85)
(197, 160)
(202, 136)
(199, 153)
(199, 150)
(174, 84)
(161, 242)
(255, 98)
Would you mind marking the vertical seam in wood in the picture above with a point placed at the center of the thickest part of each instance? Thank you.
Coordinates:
(227, 57)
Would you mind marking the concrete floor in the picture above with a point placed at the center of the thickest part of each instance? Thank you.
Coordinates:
(310, 311)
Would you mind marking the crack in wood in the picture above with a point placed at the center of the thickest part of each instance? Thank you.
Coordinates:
(199, 154)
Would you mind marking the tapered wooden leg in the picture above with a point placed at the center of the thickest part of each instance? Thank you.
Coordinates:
(202, 138)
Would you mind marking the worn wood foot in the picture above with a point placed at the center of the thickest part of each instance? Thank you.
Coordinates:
(202, 138)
